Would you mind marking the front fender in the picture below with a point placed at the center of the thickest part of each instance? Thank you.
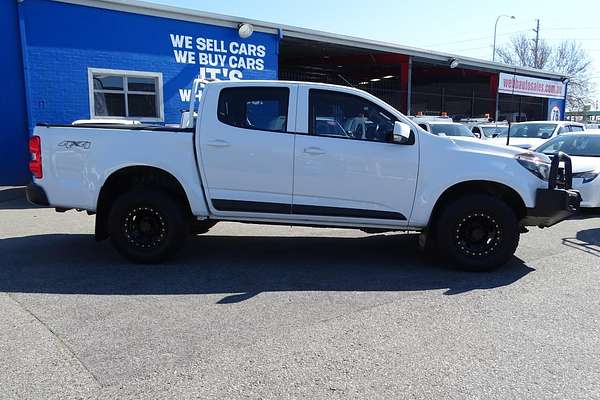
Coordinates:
(447, 166)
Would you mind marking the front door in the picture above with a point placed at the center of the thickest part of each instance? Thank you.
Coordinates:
(346, 169)
(247, 152)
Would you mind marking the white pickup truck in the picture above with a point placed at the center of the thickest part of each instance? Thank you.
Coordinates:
(297, 153)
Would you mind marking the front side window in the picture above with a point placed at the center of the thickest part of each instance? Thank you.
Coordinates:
(347, 116)
(125, 94)
(256, 108)
(576, 128)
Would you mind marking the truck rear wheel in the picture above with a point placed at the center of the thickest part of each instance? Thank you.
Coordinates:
(147, 226)
(478, 232)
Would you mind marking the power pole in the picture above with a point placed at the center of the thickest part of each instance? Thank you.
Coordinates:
(537, 42)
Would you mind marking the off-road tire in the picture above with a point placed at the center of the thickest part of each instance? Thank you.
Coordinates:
(148, 226)
(477, 232)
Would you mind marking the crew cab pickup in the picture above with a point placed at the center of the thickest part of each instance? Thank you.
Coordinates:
(297, 153)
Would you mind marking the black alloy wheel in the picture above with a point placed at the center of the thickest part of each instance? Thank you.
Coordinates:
(477, 232)
(147, 226)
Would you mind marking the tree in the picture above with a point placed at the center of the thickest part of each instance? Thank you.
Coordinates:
(567, 58)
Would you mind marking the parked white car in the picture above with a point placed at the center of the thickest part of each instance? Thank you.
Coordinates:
(530, 135)
(446, 128)
(490, 130)
(296, 153)
(584, 150)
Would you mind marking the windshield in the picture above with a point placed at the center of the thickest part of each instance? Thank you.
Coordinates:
(573, 145)
(493, 131)
(451, 130)
(531, 131)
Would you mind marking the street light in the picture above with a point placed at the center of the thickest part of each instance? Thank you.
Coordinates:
(496, 30)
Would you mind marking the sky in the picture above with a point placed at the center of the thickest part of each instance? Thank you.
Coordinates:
(460, 27)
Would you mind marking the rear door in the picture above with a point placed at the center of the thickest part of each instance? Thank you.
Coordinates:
(246, 149)
(345, 168)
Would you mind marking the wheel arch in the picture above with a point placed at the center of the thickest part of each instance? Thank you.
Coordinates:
(129, 178)
(496, 189)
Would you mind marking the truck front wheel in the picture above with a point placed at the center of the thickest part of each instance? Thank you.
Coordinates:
(147, 226)
(478, 232)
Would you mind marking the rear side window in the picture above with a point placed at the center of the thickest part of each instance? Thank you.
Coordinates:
(256, 108)
(576, 128)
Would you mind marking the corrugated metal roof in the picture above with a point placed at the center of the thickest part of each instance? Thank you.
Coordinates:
(184, 14)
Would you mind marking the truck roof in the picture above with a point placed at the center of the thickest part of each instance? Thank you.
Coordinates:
(277, 82)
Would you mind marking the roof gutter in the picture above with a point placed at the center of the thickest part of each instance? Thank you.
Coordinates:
(159, 10)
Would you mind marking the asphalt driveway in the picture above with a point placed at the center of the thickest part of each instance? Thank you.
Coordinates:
(251, 311)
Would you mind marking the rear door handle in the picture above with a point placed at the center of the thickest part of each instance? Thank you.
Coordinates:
(218, 143)
(315, 151)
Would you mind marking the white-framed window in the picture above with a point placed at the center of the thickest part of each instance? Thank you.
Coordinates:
(126, 94)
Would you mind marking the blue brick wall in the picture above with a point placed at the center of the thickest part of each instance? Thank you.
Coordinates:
(64, 40)
(13, 112)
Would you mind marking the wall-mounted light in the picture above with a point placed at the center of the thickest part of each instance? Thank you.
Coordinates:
(375, 80)
(245, 30)
(453, 62)
(388, 77)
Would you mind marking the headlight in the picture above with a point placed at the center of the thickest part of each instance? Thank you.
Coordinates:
(586, 176)
(537, 164)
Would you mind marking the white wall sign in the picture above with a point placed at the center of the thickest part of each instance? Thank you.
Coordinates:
(527, 86)
(225, 59)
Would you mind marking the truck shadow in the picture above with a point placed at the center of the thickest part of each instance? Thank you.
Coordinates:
(586, 213)
(14, 199)
(238, 266)
(587, 241)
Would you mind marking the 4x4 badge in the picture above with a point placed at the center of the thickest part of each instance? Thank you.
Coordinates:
(67, 144)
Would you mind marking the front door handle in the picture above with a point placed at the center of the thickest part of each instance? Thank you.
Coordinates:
(218, 143)
(315, 151)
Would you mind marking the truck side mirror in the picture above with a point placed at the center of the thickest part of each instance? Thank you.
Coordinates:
(402, 133)
(188, 119)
